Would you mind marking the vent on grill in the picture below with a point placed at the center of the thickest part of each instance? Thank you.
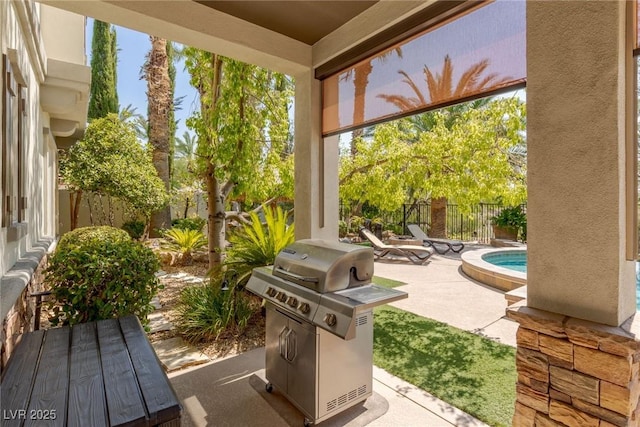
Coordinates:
(342, 400)
(362, 320)
(362, 390)
(353, 394)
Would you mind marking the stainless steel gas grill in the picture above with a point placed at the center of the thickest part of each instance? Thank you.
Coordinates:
(319, 325)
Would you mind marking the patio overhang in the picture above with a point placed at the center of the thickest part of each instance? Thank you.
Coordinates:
(271, 34)
(64, 94)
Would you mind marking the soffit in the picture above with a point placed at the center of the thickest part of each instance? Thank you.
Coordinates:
(305, 21)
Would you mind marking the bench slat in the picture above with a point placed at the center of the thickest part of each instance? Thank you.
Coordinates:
(158, 394)
(86, 405)
(51, 382)
(18, 378)
(123, 395)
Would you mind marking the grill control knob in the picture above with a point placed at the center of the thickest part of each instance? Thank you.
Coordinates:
(292, 301)
(304, 307)
(330, 319)
(281, 296)
(271, 292)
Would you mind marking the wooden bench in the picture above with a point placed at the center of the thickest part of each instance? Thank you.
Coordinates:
(95, 374)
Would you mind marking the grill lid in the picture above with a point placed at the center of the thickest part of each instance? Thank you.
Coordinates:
(325, 266)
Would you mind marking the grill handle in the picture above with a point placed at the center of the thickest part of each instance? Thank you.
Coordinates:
(291, 345)
(282, 342)
(295, 277)
(287, 346)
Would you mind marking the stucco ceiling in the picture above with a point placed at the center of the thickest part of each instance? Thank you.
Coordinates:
(305, 21)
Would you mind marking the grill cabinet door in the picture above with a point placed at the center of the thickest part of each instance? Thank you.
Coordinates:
(302, 379)
(275, 366)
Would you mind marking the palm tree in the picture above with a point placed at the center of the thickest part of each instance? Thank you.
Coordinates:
(186, 148)
(361, 74)
(160, 104)
(129, 114)
(440, 86)
(440, 89)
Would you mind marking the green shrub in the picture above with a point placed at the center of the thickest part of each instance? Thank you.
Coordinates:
(256, 245)
(206, 311)
(100, 273)
(87, 235)
(185, 242)
(134, 228)
(193, 223)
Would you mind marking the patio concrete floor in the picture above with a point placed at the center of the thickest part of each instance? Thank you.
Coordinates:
(231, 392)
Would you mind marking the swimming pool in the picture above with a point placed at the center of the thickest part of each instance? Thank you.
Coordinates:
(513, 260)
(516, 260)
(504, 268)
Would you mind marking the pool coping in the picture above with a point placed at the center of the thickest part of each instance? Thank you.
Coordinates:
(492, 275)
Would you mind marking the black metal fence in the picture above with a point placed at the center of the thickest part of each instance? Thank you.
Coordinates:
(474, 226)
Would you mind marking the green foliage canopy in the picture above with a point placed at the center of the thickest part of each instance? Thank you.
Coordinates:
(470, 161)
(247, 135)
(109, 161)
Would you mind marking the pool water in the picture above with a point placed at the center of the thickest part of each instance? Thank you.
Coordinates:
(517, 261)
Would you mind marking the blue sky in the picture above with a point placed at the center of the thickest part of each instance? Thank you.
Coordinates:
(133, 47)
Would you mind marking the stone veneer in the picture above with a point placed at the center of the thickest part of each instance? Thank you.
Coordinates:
(573, 372)
(24, 279)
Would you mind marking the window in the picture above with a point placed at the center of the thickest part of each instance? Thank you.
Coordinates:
(13, 124)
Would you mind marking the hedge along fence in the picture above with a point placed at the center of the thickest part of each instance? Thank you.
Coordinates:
(473, 227)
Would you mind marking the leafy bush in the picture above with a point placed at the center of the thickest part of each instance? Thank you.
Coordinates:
(193, 223)
(255, 245)
(100, 273)
(134, 228)
(89, 235)
(207, 311)
(184, 242)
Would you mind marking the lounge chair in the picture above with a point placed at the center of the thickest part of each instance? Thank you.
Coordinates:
(442, 246)
(415, 254)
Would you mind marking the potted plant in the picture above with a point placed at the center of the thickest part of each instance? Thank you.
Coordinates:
(509, 223)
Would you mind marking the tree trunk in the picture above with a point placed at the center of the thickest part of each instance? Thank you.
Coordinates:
(215, 218)
(186, 207)
(75, 207)
(159, 95)
(438, 218)
(360, 82)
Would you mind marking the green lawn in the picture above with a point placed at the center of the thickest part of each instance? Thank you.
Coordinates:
(472, 373)
(386, 283)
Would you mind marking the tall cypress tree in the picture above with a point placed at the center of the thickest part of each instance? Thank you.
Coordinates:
(104, 97)
(114, 59)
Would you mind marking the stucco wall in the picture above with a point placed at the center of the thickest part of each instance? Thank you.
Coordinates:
(24, 246)
(68, 45)
(576, 120)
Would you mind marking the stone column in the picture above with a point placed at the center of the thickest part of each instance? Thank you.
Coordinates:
(573, 372)
(316, 165)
